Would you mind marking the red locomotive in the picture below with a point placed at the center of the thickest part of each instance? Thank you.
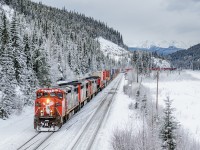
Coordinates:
(54, 106)
(49, 108)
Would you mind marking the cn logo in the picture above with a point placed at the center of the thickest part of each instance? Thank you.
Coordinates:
(48, 110)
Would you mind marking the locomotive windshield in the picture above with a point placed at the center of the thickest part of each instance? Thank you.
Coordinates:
(60, 95)
(52, 94)
(45, 94)
(39, 95)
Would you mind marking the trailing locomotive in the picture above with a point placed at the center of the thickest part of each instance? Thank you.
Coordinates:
(54, 106)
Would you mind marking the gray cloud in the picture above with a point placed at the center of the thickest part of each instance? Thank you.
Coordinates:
(140, 20)
(181, 5)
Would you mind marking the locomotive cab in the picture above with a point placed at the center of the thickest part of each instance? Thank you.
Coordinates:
(49, 109)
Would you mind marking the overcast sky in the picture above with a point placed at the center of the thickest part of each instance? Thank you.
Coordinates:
(140, 20)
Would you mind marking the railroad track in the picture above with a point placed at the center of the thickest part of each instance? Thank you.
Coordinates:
(40, 140)
(36, 141)
(87, 134)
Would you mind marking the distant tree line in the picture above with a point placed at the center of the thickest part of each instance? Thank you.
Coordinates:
(187, 59)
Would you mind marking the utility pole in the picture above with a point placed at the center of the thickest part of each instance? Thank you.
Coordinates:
(137, 73)
(143, 137)
(144, 113)
(157, 93)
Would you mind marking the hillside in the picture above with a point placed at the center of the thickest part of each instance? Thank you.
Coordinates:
(112, 50)
(68, 22)
(41, 44)
(189, 59)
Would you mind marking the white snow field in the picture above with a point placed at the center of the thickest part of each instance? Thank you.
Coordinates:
(111, 49)
(16, 129)
(118, 117)
(184, 89)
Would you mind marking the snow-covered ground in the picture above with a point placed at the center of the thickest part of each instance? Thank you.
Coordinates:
(18, 129)
(118, 117)
(183, 88)
(111, 49)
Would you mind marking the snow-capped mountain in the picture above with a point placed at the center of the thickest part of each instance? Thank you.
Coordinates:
(159, 50)
(164, 44)
(161, 47)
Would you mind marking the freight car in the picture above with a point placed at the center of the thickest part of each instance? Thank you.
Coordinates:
(54, 106)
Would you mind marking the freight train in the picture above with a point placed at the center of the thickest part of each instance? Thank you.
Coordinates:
(54, 106)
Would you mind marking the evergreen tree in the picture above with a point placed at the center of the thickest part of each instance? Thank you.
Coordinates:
(7, 75)
(29, 87)
(19, 55)
(21, 59)
(27, 51)
(69, 60)
(7, 84)
(7, 2)
(168, 129)
(4, 34)
(41, 66)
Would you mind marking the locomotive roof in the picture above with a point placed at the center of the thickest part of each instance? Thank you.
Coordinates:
(93, 77)
(74, 83)
(50, 90)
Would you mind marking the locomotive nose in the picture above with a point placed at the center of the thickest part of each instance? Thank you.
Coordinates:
(48, 109)
(47, 106)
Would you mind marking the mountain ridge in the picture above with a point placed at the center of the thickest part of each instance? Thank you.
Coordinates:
(164, 44)
(187, 59)
(159, 50)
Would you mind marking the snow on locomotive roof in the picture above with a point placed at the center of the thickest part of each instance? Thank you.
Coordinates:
(50, 90)
(74, 83)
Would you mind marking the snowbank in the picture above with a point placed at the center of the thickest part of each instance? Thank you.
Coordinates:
(183, 89)
(119, 117)
(160, 63)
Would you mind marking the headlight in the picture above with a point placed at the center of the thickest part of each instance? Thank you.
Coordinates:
(37, 104)
(48, 101)
(42, 113)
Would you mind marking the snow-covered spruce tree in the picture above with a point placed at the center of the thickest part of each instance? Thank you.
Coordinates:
(30, 76)
(7, 75)
(7, 2)
(168, 128)
(16, 45)
(20, 60)
(84, 62)
(40, 65)
(70, 60)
